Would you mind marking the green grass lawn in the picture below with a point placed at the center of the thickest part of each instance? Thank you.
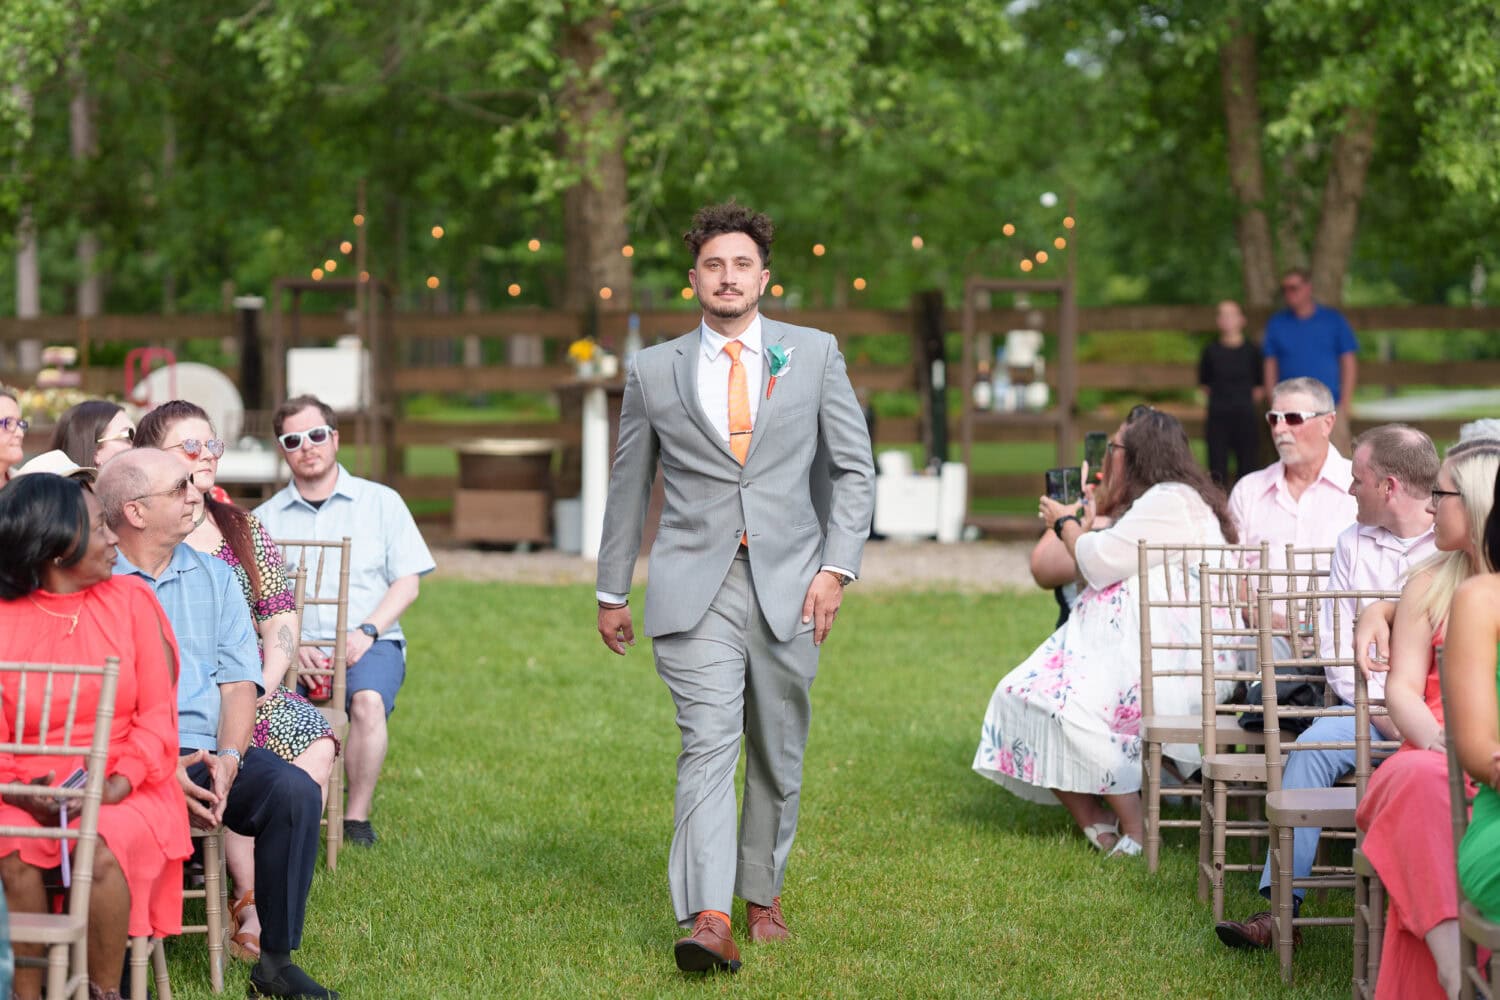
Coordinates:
(526, 809)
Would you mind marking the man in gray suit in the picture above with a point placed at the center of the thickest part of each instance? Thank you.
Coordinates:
(769, 489)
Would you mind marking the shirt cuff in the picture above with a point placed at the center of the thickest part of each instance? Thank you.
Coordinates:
(839, 570)
(605, 598)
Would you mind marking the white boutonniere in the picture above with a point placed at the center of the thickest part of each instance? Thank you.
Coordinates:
(781, 363)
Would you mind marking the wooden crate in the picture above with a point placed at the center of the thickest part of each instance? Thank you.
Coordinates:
(502, 516)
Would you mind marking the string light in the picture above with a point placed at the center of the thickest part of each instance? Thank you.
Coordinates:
(330, 265)
(432, 281)
(687, 293)
(317, 274)
(606, 293)
(1041, 256)
(1008, 229)
(346, 247)
(514, 290)
(627, 251)
(1068, 222)
(437, 232)
(819, 249)
(1026, 265)
(364, 276)
(916, 242)
(859, 284)
(359, 220)
(533, 244)
(1060, 243)
(776, 291)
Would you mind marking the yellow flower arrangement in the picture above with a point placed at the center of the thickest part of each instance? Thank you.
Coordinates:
(582, 350)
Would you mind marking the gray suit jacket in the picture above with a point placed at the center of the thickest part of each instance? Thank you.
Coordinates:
(805, 493)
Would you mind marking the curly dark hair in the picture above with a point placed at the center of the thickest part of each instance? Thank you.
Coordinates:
(730, 217)
(1157, 451)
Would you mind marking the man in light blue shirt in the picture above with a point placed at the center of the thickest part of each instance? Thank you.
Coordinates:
(150, 501)
(387, 558)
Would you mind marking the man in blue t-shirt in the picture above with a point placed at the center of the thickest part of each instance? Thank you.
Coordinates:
(1313, 341)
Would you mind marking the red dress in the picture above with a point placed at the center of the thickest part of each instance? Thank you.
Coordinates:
(148, 830)
(1409, 840)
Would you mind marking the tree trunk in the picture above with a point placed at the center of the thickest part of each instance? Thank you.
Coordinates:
(1349, 164)
(85, 147)
(593, 141)
(28, 268)
(1291, 210)
(1237, 64)
(168, 169)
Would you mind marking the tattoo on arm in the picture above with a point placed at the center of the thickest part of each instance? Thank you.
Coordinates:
(286, 644)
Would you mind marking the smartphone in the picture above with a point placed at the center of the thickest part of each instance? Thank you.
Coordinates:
(1065, 485)
(1095, 447)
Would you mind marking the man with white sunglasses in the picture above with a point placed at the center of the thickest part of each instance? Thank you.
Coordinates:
(387, 558)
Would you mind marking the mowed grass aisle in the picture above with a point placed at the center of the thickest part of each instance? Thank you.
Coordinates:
(527, 805)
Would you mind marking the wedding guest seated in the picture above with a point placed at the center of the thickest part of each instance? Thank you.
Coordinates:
(12, 434)
(61, 603)
(1474, 717)
(1404, 812)
(1064, 726)
(152, 504)
(93, 432)
(286, 723)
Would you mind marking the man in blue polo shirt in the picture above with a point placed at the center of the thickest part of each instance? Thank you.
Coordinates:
(387, 558)
(152, 506)
(1308, 340)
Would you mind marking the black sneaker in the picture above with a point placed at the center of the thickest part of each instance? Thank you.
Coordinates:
(290, 981)
(359, 832)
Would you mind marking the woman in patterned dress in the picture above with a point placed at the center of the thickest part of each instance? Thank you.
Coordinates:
(285, 722)
(1064, 726)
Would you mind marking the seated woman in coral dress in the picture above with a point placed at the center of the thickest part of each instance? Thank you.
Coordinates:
(60, 603)
(1404, 812)
(1064, 726)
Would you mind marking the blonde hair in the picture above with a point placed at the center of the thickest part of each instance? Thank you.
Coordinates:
(1473, 465)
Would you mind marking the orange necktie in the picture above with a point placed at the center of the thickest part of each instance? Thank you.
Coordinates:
(739, 403)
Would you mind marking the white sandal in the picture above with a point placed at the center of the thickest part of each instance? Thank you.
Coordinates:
(1127, 847)
(1093, 833)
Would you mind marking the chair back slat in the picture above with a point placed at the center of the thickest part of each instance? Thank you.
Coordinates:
(1458, 792)
(325, 569)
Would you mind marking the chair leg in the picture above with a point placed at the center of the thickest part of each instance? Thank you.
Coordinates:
(1281, 891)
(214, 907)
(1377, 932)
(1153, 805)
(1361, 936)
(159, 968)
(1207, 817)
(1221, 835)
(335, 834)
(1468, 962)
(57, 972)
(139, 952)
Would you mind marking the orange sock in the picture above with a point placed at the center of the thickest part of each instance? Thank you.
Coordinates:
(716, 914)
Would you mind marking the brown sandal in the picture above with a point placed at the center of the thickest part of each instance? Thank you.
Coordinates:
(246, 946)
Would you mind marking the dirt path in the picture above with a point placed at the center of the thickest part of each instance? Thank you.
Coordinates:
(975, 566)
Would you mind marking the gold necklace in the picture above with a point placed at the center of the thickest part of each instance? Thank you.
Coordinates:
(72, 619)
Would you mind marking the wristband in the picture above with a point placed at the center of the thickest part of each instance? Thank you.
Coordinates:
(1057, 527)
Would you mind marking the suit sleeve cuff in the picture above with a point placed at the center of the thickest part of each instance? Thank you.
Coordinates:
(839, 570)
(611, 598)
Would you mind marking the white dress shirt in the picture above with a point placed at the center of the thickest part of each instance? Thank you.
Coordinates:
(713, 395)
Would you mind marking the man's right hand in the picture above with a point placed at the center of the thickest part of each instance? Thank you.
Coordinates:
(616, 629)
(1374, 629)
(202, 804)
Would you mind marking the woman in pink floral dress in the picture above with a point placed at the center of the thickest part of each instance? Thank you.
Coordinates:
(1064, 726)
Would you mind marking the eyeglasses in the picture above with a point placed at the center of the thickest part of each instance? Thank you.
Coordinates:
(177, 489)
(294, 440)
(1437, 495)
(1113, 447)
(14, 424)
(1294, 418)
(192, 447)
(128, 434)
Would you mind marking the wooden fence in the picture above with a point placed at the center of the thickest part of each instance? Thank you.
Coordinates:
(415, 336)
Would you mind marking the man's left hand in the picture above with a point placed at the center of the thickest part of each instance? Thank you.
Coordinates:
(824, 595)
(356, 645)
(225, 770)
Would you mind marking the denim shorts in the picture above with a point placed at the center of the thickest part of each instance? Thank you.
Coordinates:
(382, 669)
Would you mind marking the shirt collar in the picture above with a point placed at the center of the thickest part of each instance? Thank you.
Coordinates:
(713, 343)
(1387, 539)
(1333, 464)
(346, 485)
(183, 561)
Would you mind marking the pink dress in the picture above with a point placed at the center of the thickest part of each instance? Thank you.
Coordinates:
(1404, 815)
(147, 831)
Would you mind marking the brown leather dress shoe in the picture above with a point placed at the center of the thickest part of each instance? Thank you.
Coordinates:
(1253, 933)
(710, 948)
(766, 922)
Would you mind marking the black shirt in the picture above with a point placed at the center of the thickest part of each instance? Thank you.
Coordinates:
(1230, 373)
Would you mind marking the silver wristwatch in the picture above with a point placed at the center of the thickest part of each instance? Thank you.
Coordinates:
(231, 752)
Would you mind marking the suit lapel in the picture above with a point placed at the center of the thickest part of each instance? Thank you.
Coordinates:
(771, 332)
(685, 372)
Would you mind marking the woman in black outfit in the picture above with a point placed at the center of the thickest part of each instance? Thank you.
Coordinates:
(1229, 373)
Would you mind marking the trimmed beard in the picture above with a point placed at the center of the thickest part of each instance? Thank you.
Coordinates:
(719, 312)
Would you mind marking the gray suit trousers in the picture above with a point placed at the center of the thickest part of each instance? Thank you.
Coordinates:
(730, 677)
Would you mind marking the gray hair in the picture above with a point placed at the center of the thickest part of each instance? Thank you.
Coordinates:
(1321, 394)
(120, 481)
(1486, 429)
